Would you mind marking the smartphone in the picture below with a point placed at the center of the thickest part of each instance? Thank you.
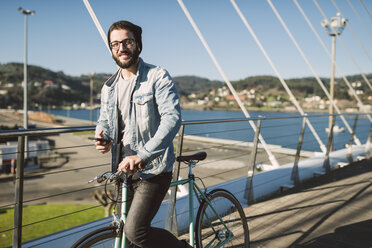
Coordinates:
(99, 139)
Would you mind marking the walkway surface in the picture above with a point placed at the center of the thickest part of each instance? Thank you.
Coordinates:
(329, 211)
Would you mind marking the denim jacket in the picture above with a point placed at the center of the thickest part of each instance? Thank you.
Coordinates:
(155, 118)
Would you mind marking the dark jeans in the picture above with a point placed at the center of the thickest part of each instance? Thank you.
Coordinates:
(147, 198)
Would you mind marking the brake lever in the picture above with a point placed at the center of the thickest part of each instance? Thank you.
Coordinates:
(100, 178)
(92, 180)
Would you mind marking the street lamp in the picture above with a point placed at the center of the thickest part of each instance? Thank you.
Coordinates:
(25, 119)
(333, 28)
(25, 114)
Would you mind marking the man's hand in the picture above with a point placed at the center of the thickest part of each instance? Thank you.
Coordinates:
(103, 146)
(130, 164)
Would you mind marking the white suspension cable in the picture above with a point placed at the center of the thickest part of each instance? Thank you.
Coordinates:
(312, 69)
(292, 97)
(360, 19)
(206, 46)
(330, 56)
(347, 50)
(365, 8)
(96, 22)
(352, 30)
(320, 10)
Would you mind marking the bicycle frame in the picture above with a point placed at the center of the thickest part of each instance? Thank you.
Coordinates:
(121, 241)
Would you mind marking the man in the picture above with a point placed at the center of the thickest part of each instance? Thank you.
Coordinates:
(140, 115)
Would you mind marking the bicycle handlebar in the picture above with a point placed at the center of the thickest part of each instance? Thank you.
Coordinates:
(107, 175)
(115, 176)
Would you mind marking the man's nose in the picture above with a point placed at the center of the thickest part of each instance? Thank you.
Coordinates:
(122, 46)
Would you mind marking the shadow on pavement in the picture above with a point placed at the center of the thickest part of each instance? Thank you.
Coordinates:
(356, 235)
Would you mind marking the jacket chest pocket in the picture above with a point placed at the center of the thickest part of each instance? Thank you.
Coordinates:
(144, 105)
(143, 99)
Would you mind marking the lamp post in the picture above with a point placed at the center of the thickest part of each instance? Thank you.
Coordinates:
(333, 28)
(25, 107)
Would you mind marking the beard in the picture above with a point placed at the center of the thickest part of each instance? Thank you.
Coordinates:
(133, 58)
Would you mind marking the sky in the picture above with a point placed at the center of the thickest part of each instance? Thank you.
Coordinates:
(63, 37)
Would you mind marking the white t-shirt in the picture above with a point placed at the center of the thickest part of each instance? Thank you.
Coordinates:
(124, 90)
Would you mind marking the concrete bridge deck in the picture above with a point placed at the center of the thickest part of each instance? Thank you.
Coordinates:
(329, 211)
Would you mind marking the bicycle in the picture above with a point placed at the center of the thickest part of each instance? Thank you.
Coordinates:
(220, 220)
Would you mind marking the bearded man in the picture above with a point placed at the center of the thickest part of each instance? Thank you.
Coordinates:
(140, 116)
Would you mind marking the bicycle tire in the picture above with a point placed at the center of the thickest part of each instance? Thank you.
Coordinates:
(103, 237)
(209, 230)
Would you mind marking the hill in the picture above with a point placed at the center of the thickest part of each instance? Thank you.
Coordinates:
(49, 88)
(301, 87)
(187, 85)
(45, 87)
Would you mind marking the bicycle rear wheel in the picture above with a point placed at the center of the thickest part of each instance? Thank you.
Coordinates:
(103, 237)
(210, 231)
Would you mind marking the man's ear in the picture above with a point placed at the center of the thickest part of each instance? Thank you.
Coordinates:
(138, 48)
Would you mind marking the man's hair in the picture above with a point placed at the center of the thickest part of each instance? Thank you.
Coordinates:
(136, 30)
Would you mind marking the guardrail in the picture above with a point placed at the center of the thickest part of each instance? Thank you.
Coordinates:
(245, 149)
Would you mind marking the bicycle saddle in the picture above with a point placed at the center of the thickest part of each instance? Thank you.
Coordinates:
(196, 156)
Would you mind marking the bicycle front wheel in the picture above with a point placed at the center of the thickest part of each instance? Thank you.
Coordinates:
(103, 237)
(228, 228)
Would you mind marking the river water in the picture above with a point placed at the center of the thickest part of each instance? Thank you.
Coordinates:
(284, 132)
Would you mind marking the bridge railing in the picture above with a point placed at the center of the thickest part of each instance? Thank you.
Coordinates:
(233, 151)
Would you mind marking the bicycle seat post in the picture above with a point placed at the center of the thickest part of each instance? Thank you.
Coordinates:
(192, 160)
(191, 164)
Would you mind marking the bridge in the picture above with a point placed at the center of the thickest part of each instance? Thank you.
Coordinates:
(309, 199)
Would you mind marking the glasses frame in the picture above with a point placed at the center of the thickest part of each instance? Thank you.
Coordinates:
(125, 42)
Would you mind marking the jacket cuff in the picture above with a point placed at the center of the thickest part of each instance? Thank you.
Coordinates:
(144, 155)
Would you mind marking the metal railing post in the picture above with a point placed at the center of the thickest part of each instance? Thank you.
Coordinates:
(295, 177)
(18, 207)
(350, 148)
(368, 144)
(171, 223)
(326, 164)
(248, 194)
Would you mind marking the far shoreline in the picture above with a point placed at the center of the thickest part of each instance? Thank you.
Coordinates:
(255, 109)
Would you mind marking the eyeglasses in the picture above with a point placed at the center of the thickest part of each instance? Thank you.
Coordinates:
(126, 42)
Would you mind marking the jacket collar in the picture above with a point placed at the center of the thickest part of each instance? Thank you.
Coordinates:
(111, 81)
